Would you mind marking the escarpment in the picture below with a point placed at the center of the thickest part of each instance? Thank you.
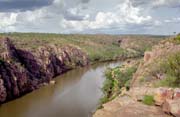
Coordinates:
(22, 71)
(154, 90)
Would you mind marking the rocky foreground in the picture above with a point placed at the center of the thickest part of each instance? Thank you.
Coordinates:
(146, 82)
(128, 104)
(22, 71)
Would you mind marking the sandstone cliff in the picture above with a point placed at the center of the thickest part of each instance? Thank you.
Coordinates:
(22, 71)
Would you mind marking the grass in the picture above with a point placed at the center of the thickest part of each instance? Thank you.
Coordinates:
(148, 100)
(169, 81)
(171, 68)
(178, 37)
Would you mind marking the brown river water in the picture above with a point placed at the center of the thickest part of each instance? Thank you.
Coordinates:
(75, 94)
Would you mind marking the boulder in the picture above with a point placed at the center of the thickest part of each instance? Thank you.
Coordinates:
(176, 93)
(147, 56)
(103, 113)
(160, 76)
(111, 106)
(172, 106)
(52, 82)
(138, 93)
(138, 109)
(117, 103)
(162, 94)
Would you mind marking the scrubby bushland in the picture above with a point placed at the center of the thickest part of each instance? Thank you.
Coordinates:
(153, 83)
(116, 78)
(171, 68)
(160, 66)
(98, 47)
(177, 39)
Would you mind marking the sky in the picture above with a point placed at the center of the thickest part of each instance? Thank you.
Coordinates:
(159, 17)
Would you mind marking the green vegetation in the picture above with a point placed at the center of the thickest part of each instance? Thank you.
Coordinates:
(171, 68)
(175, 40)
(178, 37)
(98, 47)
(148, 100)
(116, 78)
(1, 61)
(162, 69)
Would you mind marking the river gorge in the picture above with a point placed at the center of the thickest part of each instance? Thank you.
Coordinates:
(60, 76)
(76, 94)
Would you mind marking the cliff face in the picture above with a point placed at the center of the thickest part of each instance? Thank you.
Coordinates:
(155, 83)
(151, 68)
(22, 71)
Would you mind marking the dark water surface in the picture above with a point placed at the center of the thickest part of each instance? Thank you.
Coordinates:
(75, 94)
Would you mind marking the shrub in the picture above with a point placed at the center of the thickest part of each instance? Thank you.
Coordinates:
(169, 81)
(148, 100)
(103, 100)
(124, 77)
(171, 68)
(115, 80)
(177, 39)
(127, 84)
(142, 79)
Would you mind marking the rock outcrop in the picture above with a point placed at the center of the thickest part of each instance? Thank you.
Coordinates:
(126, 106)
(148, 69)
(129, 104)
(22, 71)
(172, 107)
(133, 103)
(3, 93)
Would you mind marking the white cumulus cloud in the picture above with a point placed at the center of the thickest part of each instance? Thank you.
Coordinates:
(76, 16)
(170, 3)
(7, 20)
(123, 14)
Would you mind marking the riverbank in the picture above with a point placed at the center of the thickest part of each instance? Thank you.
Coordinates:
(76, 93)
(22, 71)
(29, 61)
(154, 88)
(117, 79)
